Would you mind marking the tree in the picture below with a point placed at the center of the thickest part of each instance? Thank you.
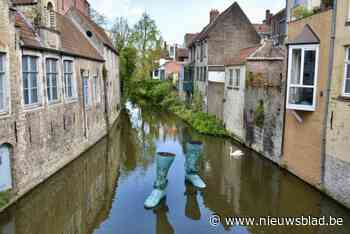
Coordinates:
(128, 60)
(100, 19)
(121, 33)
(145, 34)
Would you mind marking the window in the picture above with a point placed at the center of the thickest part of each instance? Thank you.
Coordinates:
(30, 80)
(302, 77)
(237, 78)
(86, 91)
(2, 83)
(96, 89)
(68, 78)
(205, 73)
(346, 91)
(197, 75)
(51, 80)
(230, 79)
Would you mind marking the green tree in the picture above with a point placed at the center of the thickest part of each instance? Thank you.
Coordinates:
(128, 60)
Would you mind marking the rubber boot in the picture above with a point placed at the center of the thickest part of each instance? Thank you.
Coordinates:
(192, 210)
(194, 150)
(164, 161)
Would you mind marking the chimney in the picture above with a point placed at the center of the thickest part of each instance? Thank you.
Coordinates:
(213, 14)
(268, 17)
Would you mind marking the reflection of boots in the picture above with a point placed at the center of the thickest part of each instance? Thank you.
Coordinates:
(162, 222)
(194, 150)
(192, 210)
(164, 161)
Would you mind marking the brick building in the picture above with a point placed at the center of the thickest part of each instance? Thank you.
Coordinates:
(59, 91)
(225, 35)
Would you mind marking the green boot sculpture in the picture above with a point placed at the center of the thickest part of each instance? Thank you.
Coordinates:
(194, 150)
(164, 161)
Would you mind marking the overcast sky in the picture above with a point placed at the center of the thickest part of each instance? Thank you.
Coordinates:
(174, 18)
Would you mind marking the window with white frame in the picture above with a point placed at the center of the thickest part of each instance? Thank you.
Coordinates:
(51, 79)
(2, 83)
(237, 80)
(30, 80)
(68, 78)
(86, 92)
(302, 77)
(346, 90)
(230, 78)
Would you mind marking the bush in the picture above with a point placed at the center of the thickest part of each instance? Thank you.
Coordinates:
(4, 198)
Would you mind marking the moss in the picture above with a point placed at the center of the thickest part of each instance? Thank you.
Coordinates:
(259, 116)
(5, 198)
(301, 12)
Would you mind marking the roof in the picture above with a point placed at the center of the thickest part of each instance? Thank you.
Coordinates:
(27, 33)
(24, 2)
(207, 29)
(97, 30)
(267, 51)
(307, 36)
(73, 42)
(243, 55)
(262, 28)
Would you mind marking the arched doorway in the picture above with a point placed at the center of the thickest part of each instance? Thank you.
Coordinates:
(5, 167)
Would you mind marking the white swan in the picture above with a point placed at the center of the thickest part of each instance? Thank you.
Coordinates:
(237, 154)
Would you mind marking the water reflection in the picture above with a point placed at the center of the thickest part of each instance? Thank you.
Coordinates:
(103, 191)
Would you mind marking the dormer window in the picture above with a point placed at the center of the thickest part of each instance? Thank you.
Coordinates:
(51, 15)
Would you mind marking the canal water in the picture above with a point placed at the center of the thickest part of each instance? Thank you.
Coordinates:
(103, 191)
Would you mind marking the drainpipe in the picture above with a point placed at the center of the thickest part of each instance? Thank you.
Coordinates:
(328, 91)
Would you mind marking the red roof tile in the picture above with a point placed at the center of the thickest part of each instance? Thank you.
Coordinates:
(72, 40)
(243, 55)
(97, 30)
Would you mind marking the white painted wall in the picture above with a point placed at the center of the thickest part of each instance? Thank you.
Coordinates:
(234, 105)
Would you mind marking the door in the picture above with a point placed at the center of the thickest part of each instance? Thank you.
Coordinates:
(5, 168)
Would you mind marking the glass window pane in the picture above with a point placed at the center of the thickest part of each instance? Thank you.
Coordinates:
(48, 66)
(2, 63)
(54, 93)
(238, 73)
(296, 66)
(309, 67)
(32, 64)
(54, 66)
(347, 86)
(26, 96)
(25, 80)
(48, 88)
(34, 95)
(25, 63)
(33, 81)
(301, 96)
(348, 50)
(348, 71)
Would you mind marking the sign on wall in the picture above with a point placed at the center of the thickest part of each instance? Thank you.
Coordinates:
(216, 76)
(5, 168)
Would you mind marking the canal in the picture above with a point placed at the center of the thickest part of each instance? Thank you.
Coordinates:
(103, 191)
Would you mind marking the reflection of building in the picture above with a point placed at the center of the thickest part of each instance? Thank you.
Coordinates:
(59, 87)
(75, 200)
